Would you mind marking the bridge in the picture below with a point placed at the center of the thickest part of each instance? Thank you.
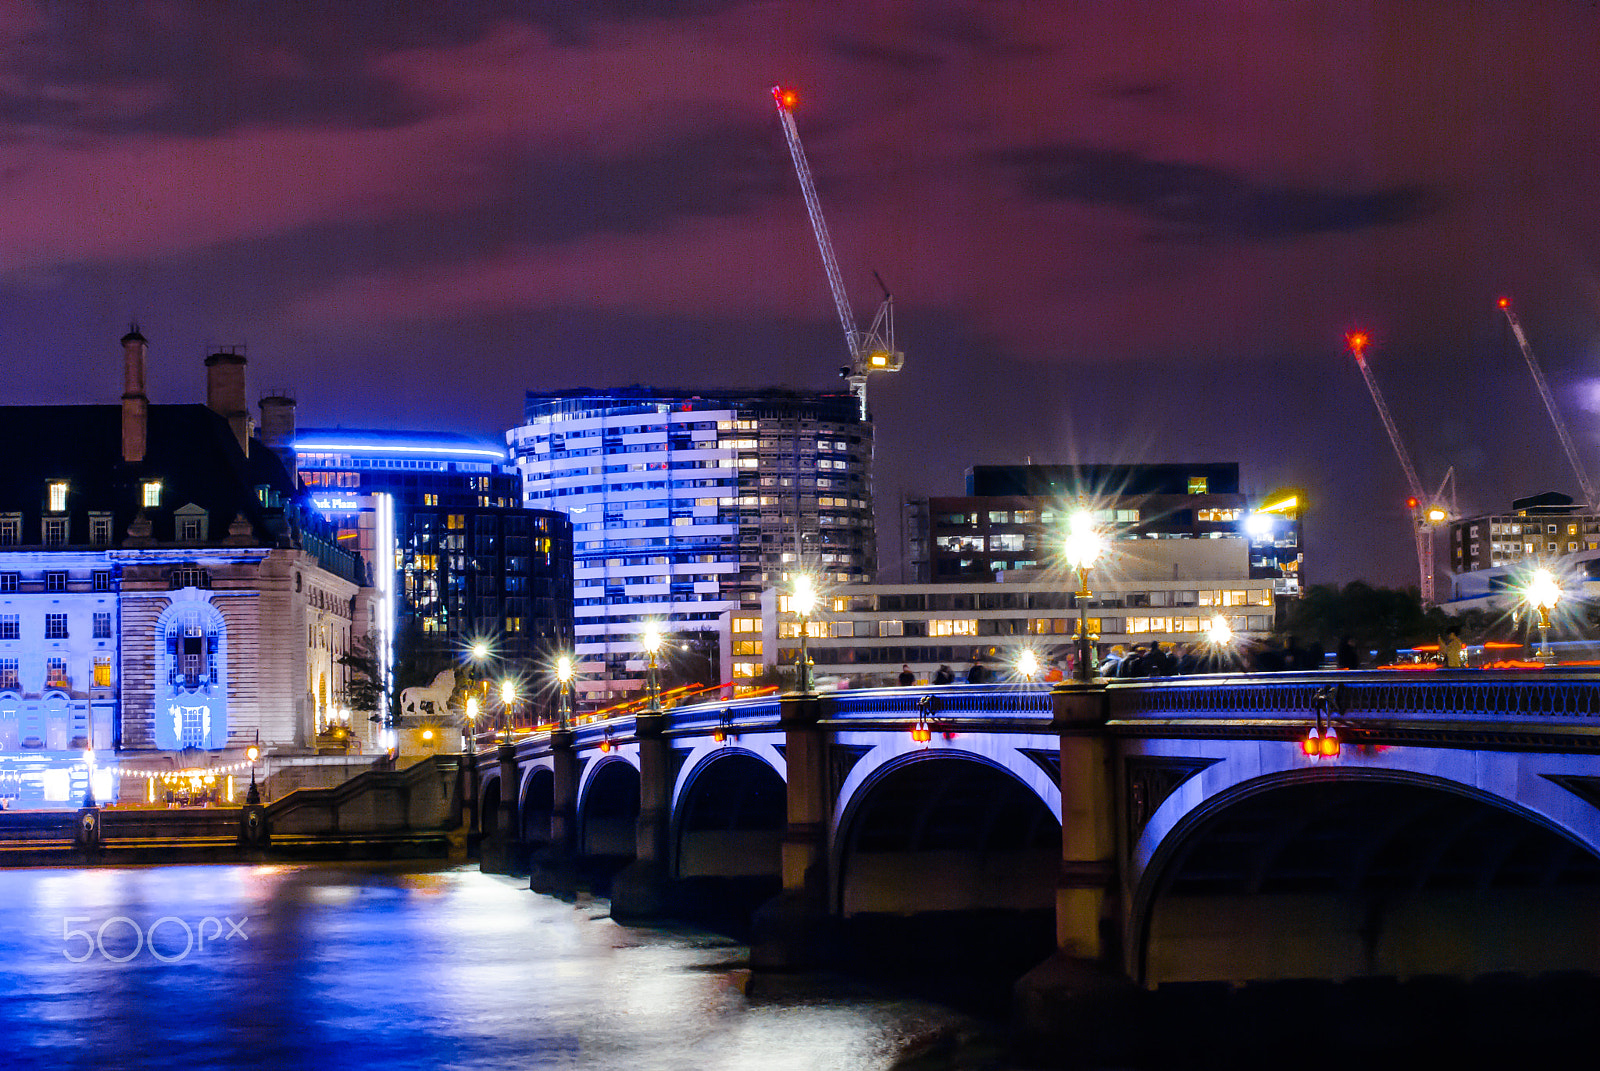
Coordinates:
(1173, 830)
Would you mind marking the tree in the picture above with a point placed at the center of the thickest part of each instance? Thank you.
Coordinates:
(1379, 620)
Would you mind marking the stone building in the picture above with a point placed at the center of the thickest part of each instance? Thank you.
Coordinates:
(166, 598)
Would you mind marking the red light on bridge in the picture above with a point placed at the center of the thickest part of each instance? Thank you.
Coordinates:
(1321, 745)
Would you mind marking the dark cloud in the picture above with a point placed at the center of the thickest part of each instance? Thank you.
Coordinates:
(909, 60)
(1200, 202)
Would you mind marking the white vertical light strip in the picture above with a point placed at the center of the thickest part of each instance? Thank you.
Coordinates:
(387, 558)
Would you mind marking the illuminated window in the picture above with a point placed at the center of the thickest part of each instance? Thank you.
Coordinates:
(746, 647)
(102, 671)
(456, 520)
(151, 496)
(513, 624)
(8, 673)
(55, 671)
(947, 627)
(1197, 485)
(58, 496)
(747, 624)
(746, 669)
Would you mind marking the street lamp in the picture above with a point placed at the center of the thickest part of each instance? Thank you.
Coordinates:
(253, 753)
(803, 601)
(1082, 548)
(1218, 631)
(564, 707)
(1027, 664)
(652, 644)
(472, 724)
(1542, 593)
(508, 699)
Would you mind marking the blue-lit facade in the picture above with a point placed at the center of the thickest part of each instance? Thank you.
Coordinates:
(685, 505)
(470, 562)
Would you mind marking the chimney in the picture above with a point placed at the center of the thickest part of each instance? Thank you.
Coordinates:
(135, 405)
(225, 394)
(277, 430)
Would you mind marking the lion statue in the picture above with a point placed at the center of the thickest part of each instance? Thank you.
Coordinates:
(437, 695)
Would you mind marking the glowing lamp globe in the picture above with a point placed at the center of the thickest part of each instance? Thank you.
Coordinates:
(1218, 630)
(472, 708)
(1542, 590)
(805, 598)
(480, 651)
(1082, 545)
(508, 692)
(1027, 664)
(564, 669)
(652, 638)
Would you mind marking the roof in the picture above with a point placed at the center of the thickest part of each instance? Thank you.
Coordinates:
(189, 448)
(437, 445)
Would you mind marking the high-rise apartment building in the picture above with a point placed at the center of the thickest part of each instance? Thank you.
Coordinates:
(684, 506)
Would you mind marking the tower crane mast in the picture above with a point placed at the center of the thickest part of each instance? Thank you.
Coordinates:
(872, 350)
(1426, 512)
(1590, 499)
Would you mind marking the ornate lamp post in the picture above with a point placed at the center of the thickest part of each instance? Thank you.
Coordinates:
(472, 725)
(1542, 593)
(564, 705)
(652, 644)
(803, 602)
(1082, 548)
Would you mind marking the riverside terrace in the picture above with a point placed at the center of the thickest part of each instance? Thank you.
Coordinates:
(1202, 842)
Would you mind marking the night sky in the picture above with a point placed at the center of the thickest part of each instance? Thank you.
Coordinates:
(1115, 232)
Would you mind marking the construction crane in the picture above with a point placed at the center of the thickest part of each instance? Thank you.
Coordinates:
(872, 350)
(1427, 513)
(1589, 497)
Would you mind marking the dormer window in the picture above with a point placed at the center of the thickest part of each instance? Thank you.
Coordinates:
(10, 529)
(189, 524)
(150, 494)
(55, 531)
(58, 496)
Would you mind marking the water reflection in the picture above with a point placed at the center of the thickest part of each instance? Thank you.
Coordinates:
(321, 966)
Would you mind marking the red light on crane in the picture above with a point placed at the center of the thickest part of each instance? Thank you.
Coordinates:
(1357, 341)
(1412, 503)
(786, 98)
(1504, 303)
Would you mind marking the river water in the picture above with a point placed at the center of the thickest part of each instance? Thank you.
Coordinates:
(377, 967)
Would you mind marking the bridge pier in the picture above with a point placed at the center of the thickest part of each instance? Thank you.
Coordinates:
(643, 889)
(553, 869)
(794, 930)
(1081, 988)
(504, 853)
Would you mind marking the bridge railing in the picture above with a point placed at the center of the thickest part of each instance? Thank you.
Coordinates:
(1393, 695)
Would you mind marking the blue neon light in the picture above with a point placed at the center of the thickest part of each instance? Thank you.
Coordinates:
(418, 449)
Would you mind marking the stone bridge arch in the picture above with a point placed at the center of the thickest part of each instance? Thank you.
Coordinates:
(944, 829)
(537, 802)
(729, 811)
(608, 808)
(1374, 870)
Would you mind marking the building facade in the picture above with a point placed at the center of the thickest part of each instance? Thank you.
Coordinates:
(470, 563)
(163, 591)
(1141, 593)
(1012, 518)
(685, 506)
(1539, 528)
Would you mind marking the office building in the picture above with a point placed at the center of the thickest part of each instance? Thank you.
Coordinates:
(686, 505)
(470, 563)
(1539, 528)
(1145, 591)
(1012, 517)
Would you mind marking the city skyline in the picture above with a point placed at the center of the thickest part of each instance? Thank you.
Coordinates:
(1111, 238)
